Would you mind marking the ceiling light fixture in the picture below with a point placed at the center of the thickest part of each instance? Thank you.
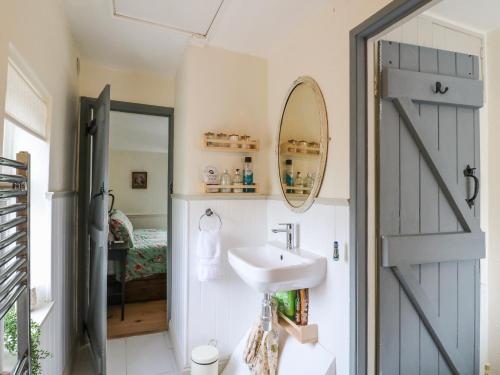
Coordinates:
(168, 27)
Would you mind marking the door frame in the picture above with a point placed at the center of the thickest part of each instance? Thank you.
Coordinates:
(358, 207)
(86, 106)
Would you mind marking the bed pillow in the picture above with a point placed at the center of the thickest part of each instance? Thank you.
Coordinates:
(121, 227)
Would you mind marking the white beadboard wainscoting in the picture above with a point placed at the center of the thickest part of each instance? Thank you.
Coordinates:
(59, 328)
(225, 309)
(180, 277)
(319, 227)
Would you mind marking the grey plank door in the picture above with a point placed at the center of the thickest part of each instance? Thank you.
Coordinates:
(98, 232)
(430, 240)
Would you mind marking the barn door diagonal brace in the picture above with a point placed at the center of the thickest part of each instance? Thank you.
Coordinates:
(437, 164)
(420, 301)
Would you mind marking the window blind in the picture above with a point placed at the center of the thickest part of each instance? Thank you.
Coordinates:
(24, 104)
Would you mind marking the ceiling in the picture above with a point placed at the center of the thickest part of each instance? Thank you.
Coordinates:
(134, 132)
(151, 35)
(480, 15)
(195, 18)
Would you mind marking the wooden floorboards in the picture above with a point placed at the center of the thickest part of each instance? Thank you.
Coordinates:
(140, 318)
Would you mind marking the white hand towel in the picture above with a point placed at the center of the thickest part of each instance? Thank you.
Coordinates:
(208, 253)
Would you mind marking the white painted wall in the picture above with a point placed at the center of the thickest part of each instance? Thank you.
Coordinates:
(218, 90)
(319, 47)
(39, 32)
(140, 204)
(493, 235)
(127, 85)
(24, 25)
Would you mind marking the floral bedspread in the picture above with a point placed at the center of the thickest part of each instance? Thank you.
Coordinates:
(148, 255)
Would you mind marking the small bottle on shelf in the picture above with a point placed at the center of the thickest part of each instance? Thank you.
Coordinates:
(248, 174)
(225, 180)
(237, 179)
(289, 175)
(299, 183)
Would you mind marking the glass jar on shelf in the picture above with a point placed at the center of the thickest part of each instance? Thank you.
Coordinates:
(308, 183)
(225, 180)
(237, 180)
(299, 184)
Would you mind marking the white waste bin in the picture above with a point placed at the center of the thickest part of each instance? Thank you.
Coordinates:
(205, 360)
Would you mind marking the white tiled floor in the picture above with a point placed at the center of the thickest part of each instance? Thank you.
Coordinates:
(136, 355)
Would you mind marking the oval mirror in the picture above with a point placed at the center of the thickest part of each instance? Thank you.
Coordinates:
(302, 144)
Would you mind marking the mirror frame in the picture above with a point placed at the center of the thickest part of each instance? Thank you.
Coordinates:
(323, 142)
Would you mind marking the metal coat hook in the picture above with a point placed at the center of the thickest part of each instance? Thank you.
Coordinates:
(439, 88)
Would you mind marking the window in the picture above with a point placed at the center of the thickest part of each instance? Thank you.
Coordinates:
(24, 105)
(25, 129)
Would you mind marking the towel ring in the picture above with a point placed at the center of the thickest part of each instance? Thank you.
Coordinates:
(209, 213)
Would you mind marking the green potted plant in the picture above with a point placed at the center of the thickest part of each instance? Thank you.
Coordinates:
(10, 339)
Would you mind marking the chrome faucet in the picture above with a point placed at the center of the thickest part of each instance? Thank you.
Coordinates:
(290, 230)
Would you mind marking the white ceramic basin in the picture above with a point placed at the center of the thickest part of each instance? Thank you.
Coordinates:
(271, 268)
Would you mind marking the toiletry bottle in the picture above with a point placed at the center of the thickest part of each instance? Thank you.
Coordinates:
(299, 183)
(237, 179)
(248, 174)
(225, 180)
(289, 174)
(308, 183)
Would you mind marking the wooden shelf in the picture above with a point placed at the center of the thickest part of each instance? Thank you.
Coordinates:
(304, 334)
(299, 152)
(205, 187)
(286, 187)
(226, 145)
(298, 155)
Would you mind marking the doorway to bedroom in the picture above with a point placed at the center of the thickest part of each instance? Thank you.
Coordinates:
(125, 220)
(138, 224)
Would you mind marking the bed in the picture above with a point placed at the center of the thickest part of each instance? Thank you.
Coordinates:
(146, 261)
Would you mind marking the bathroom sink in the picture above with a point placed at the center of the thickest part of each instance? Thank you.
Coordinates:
(271, 268)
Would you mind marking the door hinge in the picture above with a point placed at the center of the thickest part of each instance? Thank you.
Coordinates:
(102, 192)
(92, 127)
(376, 88)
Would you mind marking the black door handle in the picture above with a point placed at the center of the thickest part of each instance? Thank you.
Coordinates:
(469, 172)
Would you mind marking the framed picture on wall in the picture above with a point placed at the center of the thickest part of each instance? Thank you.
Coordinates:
(139, 180)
